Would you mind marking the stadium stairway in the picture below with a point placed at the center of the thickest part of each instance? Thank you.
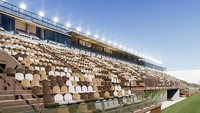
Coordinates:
(21, 102)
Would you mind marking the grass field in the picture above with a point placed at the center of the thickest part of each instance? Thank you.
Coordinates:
(189, 105)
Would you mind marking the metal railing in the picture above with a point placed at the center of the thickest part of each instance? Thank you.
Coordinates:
(30, 16)
(139, 102)
(4, 78)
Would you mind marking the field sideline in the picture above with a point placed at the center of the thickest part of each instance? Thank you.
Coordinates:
(189, 105)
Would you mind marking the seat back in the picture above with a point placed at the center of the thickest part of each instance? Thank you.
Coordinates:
(58, 97)
(68, 97)
(19, 76)
(36, 90)
(26, 83)
(56, 89)
(64, 89)
(48, 99)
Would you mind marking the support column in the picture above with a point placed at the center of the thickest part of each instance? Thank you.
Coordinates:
(42, 34)
(0, 19)
(27, 28)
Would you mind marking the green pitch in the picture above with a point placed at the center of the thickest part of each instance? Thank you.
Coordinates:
(189, 105)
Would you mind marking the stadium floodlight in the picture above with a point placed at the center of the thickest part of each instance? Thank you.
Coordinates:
(96, 36)
(109, 41)
(55, 19)
(103, 39)
(41, 13)
(78, 29)
(115, 44)
(88, 32)
(4, 0)
(22, 6)
(68, 25)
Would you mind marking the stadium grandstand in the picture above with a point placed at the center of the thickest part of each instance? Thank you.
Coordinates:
(49, 67)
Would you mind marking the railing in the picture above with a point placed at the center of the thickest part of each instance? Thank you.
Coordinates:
(17, 83)
(4, 78)
(35, 18)
(140, 101)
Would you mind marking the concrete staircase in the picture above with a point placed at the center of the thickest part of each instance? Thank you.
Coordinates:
(23, 102)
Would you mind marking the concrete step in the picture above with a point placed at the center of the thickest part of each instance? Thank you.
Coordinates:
(11, 97)
(31, 109)
(12, 87)
(6, 103)
(6, 92)
(21, 108)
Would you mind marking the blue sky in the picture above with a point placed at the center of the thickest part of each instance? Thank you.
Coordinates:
(168, 30)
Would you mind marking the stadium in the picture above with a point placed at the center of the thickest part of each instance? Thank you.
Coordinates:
(49, 67)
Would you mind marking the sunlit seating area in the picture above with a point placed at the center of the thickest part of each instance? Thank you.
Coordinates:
(59, 77)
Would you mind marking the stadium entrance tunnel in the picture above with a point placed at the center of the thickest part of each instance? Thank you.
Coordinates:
(173, 94)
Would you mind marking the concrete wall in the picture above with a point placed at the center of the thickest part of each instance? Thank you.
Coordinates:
(8, 60)
(176, 95)
(20, 25)
(173, 94)
(32, 29)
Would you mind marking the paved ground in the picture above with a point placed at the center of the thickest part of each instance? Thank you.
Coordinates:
(170, 103)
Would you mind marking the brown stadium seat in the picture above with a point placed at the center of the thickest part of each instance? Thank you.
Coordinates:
(92, 97)
(36, 72)
(51, 77)
(64, 78)
(84, 96)
(58, 78)
(60, 82)
(45, 83)
(111, 93)
(53, 82)
(28, 71)
(37, 91)
(47, 90)
(47, 69)
(102, 95)
(49, 101)
(10, 72)
(20, 70)
(86, 83)
(80, 83)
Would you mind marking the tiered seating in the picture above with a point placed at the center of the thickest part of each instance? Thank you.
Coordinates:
(62, 77)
